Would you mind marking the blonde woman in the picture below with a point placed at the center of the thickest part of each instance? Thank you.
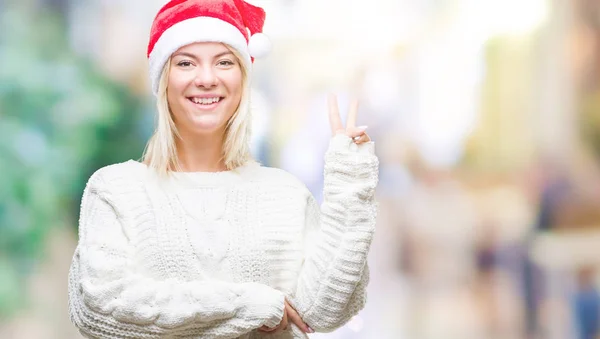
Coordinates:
(200, 241)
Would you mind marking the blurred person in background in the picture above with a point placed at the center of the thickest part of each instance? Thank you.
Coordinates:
(586, 304)
(198, 239)
(568, 204)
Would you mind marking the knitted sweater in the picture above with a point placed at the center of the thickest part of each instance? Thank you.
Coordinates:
(214, 254)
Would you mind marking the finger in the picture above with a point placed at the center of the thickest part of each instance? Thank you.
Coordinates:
(266, 329)
(352, 114)
(283, 325)
(334, 115)
(356, 131)
(362, 139)
(295, 318)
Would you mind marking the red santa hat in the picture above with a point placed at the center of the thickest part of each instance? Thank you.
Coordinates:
(182, 22)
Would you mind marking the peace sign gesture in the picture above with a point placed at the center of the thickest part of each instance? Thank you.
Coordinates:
(357, 134)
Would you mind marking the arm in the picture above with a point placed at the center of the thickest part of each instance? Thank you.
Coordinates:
(332, 283)
(108, 299)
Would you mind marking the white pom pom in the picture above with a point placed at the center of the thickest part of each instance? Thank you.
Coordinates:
(259, 45)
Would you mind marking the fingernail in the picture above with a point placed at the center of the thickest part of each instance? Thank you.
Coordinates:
(310, 330)
(362, 127)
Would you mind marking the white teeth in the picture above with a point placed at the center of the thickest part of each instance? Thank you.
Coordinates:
(205, 101)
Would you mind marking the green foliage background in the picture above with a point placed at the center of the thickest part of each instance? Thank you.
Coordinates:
(60, 120)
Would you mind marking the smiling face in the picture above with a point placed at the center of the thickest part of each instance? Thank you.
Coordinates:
(204, 89)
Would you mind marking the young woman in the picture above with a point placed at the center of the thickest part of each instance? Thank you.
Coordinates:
(200, 241)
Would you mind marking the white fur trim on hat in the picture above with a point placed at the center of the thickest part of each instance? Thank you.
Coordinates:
(259, 45)
(199, 29)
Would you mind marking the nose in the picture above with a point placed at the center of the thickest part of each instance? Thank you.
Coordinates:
(206, 77)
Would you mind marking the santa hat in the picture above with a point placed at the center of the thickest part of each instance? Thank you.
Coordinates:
(182, 22)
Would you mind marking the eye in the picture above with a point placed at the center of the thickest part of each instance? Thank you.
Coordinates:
(184, 63)
(225, 63)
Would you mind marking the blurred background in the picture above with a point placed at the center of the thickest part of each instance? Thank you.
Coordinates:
(485, 113)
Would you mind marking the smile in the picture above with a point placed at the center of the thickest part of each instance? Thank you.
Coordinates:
(205, 103)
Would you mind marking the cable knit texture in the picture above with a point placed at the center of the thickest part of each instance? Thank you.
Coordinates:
(213, 255)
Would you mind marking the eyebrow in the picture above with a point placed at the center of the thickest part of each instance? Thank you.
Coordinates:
(189, 55)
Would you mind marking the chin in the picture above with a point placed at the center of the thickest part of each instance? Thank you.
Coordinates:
(202, 122)
(207, 127)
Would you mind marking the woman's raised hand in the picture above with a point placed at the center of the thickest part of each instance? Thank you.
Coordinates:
(357, 134)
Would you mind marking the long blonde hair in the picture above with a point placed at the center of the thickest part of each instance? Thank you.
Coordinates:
(160, 153)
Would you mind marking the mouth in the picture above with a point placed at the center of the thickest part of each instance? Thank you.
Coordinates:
(205, 103)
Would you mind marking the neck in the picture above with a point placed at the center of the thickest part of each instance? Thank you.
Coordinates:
(201, 153)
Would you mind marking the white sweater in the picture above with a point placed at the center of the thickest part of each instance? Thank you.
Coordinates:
(213, 255)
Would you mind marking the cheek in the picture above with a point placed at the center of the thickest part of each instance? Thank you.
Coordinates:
(238, 83)
(177, 82)
(173, 102)
(234, 82)
(235, 90)
(176, 85)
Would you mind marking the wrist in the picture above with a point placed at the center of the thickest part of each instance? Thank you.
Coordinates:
(262, 303)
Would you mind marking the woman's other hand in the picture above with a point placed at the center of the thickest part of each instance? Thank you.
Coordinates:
(289, 315)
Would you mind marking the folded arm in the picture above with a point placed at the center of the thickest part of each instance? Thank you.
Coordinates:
(109, 299)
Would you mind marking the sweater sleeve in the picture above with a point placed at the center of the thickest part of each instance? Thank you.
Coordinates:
(331, 288)
(109, 299)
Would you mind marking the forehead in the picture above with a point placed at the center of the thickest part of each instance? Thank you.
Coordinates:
(203, 48)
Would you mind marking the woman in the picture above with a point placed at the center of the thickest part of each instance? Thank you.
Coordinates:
(200, 241)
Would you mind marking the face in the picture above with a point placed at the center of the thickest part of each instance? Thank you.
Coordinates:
(204, 87)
